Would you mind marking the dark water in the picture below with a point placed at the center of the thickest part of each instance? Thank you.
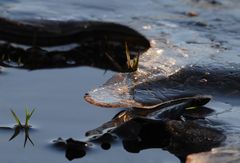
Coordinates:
(57, 94)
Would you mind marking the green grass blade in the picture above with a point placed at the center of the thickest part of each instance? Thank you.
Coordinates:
(132, 64)
(127, 55)
(135, 62)
(16, 118)
(28, 116)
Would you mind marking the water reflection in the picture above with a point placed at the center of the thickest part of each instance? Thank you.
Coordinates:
(176, 129)
(17, 130)
(37, 44)
(73, 148)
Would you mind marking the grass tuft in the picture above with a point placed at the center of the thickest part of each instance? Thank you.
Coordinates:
(132, 64)
(19, 126)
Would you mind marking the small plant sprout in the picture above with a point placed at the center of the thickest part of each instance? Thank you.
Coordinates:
(16, 119)
(28, 116)
(19, 126)
(132, 64)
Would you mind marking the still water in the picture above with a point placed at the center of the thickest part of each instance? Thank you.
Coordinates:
(61, 111)
(57, 94)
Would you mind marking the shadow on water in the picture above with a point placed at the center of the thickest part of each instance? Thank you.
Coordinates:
(42, 44)
(16, 131)
(176, 128)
